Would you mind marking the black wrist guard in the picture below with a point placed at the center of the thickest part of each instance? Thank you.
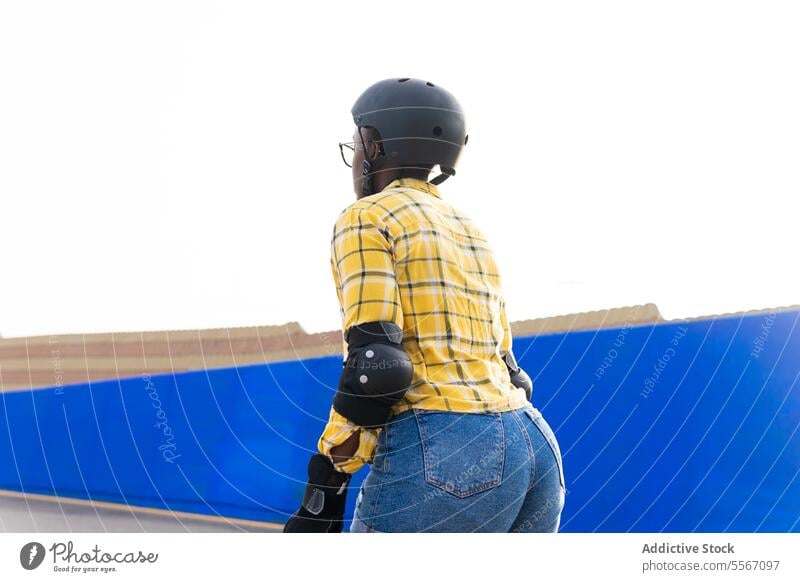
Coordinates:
(519, 377)
(376, 374)
(323, 501)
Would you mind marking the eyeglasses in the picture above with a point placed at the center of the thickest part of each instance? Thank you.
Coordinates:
(348, 151)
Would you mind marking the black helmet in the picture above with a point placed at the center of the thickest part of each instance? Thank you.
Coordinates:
(419, 123)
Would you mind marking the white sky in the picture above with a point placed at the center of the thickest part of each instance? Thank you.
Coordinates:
(173, 165)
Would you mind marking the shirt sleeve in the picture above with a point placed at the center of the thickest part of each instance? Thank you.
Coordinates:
(363, 261)
(362, 264)
(337, 431)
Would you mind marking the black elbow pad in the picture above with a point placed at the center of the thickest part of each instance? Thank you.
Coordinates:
(519, 377)
(376, 374)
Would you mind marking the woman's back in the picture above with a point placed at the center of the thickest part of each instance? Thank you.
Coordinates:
(453, 315)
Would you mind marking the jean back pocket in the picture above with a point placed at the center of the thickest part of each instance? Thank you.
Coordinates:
(463, 453)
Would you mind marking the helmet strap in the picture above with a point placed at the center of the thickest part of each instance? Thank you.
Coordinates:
(366, 178)
(446, 173)
(366, 168)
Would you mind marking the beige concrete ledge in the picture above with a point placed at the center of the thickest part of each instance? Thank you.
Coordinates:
(588, 320)
(26, 512)
(57, 360)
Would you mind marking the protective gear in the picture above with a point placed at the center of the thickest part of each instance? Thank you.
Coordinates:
(519, 377)
(376, 374)
(420, 124)
(322, 510)
(366, 178)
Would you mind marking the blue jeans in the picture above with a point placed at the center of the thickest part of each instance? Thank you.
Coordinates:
(454, 472)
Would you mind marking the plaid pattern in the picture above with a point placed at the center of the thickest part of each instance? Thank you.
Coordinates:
(404, 255)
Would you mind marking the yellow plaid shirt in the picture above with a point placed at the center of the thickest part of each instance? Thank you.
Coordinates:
(406, 256)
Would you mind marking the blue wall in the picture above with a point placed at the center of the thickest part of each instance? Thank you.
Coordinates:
(672, 427)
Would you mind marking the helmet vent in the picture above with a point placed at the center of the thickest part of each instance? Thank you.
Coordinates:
(403, 80)
(437, 131)
(429, 84)
(466, 139)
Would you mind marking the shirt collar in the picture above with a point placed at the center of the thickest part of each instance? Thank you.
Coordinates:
(416, 184)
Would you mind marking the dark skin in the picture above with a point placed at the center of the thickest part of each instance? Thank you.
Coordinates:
(347, 449)
(367, 144)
